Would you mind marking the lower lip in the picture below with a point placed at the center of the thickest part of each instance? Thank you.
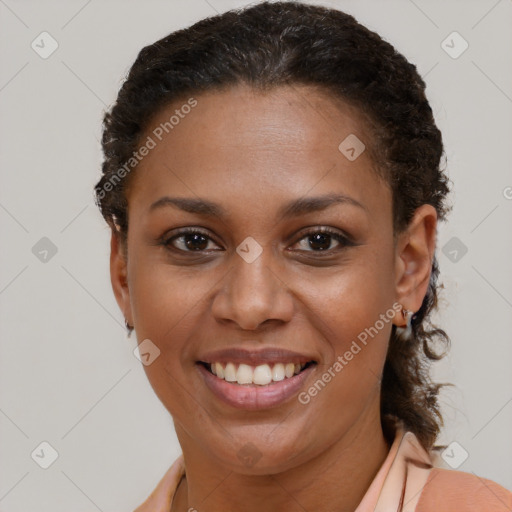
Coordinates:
(254, 397)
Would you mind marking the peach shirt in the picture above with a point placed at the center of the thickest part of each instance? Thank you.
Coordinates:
(407, 481)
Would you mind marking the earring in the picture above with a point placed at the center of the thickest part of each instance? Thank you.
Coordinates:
(129, 328)
(406, 331)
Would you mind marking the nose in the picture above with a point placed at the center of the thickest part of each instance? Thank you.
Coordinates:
(253, 294)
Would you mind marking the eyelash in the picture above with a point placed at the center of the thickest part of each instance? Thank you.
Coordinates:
(342, 239)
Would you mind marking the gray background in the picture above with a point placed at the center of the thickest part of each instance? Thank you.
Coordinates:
(67, 372)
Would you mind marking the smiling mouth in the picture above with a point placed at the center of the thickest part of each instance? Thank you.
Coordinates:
(261, 375)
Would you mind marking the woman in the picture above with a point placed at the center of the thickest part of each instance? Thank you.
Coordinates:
(273, 185)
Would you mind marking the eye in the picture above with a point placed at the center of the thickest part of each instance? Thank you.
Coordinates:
(189, 240)
(321, 239)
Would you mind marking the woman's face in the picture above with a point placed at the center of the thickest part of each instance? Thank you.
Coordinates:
(255, 179)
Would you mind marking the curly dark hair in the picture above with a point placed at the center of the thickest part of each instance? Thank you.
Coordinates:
(271, 44)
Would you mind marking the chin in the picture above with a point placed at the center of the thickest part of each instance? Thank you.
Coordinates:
(256, 455)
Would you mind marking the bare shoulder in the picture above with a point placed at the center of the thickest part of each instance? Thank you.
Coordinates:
(447, 489)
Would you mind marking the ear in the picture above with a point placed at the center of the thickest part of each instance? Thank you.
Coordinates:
(415, 250)
(119, 276)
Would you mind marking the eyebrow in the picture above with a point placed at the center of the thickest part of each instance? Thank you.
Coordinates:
(294, 208)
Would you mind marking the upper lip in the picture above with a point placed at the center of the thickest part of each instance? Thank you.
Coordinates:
(269, 355)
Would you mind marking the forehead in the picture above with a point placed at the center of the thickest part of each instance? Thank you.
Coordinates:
(240, 141)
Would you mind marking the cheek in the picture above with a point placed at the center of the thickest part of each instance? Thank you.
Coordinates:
(353, 312)
(171, 308)
(356, 294)
(163, 297)
(166, 308)
(357, 325)
(352, 308)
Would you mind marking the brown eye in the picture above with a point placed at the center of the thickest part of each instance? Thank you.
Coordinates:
(190, 240)
(321, 240)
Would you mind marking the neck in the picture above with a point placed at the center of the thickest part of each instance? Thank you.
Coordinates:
(337, 479)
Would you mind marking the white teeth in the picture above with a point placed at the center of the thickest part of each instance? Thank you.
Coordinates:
(261, 375)
(278, 372)
(219, 370)
(289, 370)
(230, 372)
(244, 374)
